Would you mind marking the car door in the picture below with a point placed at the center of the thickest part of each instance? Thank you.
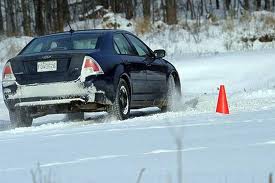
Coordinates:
(134, 66)
(156, 68)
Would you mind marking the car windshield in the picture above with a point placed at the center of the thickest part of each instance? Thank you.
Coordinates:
(63, 42)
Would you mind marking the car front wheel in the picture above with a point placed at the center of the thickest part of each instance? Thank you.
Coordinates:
(120, 109)
(172, 96)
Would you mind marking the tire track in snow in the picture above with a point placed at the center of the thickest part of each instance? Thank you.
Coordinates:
(103, 157)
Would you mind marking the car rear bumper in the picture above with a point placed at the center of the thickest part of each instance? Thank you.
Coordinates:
(51, 94)
(49, 102)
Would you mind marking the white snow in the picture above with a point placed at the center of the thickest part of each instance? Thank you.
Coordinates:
(215, 148)
(58, 89)
(9, 47)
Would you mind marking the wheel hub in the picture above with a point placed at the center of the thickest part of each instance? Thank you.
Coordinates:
(124, 100)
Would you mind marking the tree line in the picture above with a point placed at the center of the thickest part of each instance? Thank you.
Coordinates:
(39, 17)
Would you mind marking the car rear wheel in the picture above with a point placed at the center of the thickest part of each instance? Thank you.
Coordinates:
(120, 109)
(75, 116)
(20, 118)
(172, 95)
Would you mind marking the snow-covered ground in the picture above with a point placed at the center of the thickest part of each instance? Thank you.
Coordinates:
(215, 148)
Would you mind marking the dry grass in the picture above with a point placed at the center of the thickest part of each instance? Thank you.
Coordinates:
(228, 44)
(143, 26)
(39, 177)
(246, 17)
(228, 25)
(269, 21)
(213, 19)
(112, 25)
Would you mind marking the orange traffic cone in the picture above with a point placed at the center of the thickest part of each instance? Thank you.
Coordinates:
(222, 105)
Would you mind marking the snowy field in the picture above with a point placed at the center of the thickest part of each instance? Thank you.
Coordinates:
(215, 148)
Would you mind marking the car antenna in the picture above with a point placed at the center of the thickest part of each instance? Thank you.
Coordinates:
(71, 30)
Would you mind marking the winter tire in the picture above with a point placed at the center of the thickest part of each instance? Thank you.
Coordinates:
(120, 109)
(172, 95)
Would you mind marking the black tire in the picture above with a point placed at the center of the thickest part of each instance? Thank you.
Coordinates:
(77, 116)
(172, 96)
(20, 118)
(120, 109)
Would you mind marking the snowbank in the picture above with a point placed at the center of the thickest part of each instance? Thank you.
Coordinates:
(185, 39)
(191, 38)
(9, 47)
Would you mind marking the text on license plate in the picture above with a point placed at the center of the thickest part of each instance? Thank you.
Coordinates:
(46, 66)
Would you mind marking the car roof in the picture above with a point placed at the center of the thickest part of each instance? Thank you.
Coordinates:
(86, 32)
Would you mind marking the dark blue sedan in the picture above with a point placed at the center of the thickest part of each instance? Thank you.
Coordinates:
(86, 71)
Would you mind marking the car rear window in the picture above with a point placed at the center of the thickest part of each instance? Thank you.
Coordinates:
(63, 42)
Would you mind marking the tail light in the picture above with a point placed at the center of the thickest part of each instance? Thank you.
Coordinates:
(8, 73)
(90, 67)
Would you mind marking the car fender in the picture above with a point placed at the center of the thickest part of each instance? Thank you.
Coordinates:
(120, 72)
(172, 70)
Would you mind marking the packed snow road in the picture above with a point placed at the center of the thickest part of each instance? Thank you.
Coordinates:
(234, 148)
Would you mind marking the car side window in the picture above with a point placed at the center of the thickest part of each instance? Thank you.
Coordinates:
(140, 47)
(123, 45)
(116, 49)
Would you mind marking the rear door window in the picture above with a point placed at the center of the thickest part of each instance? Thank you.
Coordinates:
(123, 45)
(116, 48)
(140, 47)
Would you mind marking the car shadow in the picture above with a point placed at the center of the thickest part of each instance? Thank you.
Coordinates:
(95, 118)
(4, 125)
(143, 113)
(105, 118)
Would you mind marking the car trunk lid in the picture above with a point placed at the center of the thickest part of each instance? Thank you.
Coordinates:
(48, 67)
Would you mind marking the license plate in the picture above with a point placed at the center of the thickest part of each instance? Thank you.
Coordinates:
(46, 66)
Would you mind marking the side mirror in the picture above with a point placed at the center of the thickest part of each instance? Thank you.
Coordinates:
(159, 53)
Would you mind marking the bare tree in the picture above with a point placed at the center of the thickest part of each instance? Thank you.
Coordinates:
(66, 12)
(267, 5)
(171, 11)
(129, 9)
(163, 7)
(1, 19)
(39, 20)
(258, 5)
(49, 16)
(104, 3)
(246, 5)
(201, 6)
(217, 4)
(146, 9)
(190, 7)
(63, 14)
(60, 16)
(26, 18)
(117, 6)
(10, 26)
(17, 15)
(227, 4)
